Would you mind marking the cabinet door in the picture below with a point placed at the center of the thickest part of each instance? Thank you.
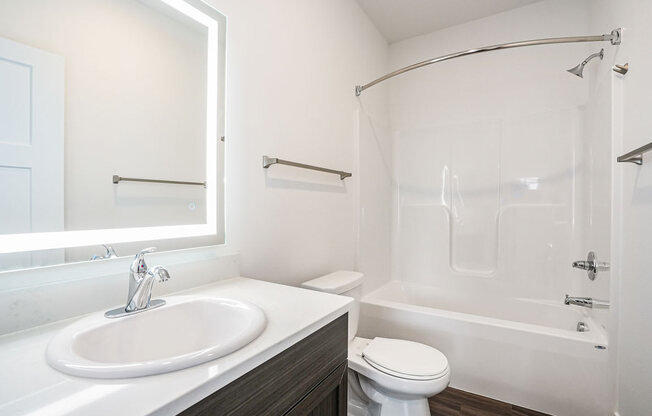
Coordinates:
(285, 380)
(327, 399)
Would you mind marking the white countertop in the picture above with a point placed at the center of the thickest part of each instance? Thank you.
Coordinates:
(29, 386)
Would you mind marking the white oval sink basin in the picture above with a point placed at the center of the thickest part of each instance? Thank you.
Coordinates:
(185, 332)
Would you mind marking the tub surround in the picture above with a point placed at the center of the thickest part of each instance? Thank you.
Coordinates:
(36, 388)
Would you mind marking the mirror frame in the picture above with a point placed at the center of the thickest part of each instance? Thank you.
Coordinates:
(14, 243)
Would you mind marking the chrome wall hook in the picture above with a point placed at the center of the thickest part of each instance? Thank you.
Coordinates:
(621, 69)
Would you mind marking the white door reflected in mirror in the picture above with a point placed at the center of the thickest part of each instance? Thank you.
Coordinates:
(31, 146)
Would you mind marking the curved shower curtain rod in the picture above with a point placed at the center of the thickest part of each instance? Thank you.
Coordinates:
(614, 37)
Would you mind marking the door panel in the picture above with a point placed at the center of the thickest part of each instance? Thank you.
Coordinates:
(15, 100)
(31, 147)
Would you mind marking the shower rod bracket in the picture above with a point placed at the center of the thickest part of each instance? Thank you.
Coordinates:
(621, 69)
(615, 37)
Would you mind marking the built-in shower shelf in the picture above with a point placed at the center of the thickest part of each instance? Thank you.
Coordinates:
(636, 155)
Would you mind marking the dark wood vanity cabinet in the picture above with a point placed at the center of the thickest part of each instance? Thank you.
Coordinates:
(309, 378)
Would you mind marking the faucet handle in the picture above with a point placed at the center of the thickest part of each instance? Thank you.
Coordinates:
(139, 265)
(159, 272)
(110, 251)
(144, 251)
(591, 265)
(583, 265)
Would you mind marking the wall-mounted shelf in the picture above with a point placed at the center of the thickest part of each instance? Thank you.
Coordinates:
(269, 161)
(636, 155)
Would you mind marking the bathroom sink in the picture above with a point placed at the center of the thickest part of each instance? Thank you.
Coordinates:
(185, 332)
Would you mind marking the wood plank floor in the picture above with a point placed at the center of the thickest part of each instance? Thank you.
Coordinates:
(453, 402)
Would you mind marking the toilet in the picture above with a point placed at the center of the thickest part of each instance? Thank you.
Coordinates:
(387, 377)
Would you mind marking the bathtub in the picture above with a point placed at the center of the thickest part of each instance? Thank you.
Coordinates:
(522, 351)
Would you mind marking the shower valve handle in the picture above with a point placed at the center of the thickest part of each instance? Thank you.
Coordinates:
(591, 265)
(584, 265)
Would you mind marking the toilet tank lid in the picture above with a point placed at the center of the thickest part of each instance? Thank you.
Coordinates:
(337, 282)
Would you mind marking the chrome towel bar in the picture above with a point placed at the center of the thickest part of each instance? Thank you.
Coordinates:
(636, 155)
(269, 161)
(117, 179)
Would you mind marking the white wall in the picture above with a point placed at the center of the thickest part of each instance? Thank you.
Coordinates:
(632, 204)
(291, 69)
(376, 186)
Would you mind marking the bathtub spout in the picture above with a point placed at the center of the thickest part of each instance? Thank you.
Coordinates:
(586, 302)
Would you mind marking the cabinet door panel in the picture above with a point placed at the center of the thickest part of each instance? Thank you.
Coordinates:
(278, 384)
(327, 399)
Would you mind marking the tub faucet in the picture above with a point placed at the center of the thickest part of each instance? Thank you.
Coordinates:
(586, 302)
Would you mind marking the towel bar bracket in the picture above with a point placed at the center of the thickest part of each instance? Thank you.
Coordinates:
(636, 155)
(633, 159)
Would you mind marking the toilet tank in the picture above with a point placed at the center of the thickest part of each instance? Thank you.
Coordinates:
(345, 283)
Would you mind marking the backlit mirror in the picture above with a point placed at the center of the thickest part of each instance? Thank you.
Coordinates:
(111, 128)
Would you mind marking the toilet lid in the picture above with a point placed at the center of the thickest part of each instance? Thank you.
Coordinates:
(405, 359)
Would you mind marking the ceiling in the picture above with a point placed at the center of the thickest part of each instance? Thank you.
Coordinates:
(403, 19)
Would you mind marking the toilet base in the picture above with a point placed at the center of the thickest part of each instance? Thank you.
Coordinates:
(358, 402)
(401, 408)
(380, 403)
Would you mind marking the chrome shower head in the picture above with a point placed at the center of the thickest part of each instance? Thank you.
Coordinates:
(579, 69)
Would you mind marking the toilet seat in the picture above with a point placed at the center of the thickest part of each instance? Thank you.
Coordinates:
(405, 359)
(401, 385)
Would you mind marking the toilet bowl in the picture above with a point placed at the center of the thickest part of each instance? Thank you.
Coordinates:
(387, 377)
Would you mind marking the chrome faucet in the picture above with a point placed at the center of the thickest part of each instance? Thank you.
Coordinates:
(141, 281)
(586, 302)
(110, 253)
